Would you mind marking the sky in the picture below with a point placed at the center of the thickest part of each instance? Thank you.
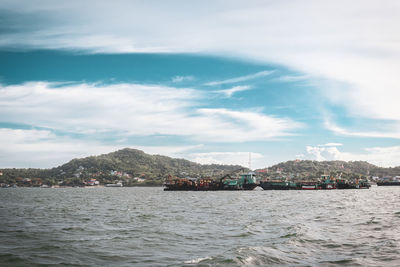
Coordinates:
(252, 83)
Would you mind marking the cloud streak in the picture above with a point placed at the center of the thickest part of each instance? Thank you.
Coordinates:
(229, 92)
(178, 79)
(374, 134)
(242, 78)
(232, 158)
(134, 110)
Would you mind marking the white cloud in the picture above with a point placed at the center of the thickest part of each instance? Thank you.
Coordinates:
(229, 125)
(232, 158)
(323, 153)
(380, 156)
(229, 92)
(171, 151)
(242, 78)
(178, 79)
(332, 144)
(134, 110)
(43, 149)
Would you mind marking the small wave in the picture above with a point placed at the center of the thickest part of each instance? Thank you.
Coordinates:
(289, 235)
(197, 260)
(260, 256)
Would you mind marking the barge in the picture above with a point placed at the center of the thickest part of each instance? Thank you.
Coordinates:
(278, 185)
(324, 183)
(246, 181)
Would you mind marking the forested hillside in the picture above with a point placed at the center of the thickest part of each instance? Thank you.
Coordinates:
(134, 167)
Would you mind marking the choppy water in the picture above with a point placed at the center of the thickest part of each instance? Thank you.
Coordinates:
(150, 227)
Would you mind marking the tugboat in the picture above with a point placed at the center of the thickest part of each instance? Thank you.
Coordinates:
(248, 181)
(327, 183)
(363, 184)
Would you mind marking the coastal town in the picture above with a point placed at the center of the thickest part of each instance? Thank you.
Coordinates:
(79, 179)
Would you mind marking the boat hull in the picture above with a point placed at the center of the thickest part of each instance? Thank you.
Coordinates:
(266, 185)
(388, 183)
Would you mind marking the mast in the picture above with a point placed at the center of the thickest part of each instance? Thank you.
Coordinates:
(249, 161)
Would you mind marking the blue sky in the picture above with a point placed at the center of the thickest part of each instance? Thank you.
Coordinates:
(210, 83)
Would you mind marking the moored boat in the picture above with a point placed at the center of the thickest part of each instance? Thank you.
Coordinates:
(309, 186)
(327, 183)
(248, 181)
(363, 184)
(119, 184)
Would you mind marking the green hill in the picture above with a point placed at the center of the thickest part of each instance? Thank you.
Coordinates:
(138, 163)
(124, 165)
(310, 169)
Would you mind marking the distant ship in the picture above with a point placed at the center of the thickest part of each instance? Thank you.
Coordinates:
(119, 184)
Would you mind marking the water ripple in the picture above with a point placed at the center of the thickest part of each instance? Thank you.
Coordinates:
(150, 227)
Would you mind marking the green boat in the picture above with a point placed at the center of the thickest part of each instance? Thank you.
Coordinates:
(327, 183)
(246, 181)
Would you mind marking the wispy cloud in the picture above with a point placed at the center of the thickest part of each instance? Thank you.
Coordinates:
(331, 144)
(375, 134)
(178, 79)
(171, 151)
(292, 78)
(134, 110)
(229, 92)
(234, 158)
(232, 125)
(242, 78)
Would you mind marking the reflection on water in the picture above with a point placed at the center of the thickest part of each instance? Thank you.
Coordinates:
(150, 227)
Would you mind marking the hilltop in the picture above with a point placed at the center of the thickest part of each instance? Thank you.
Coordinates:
(125, 164)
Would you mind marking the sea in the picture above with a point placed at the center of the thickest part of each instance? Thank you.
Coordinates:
(141, 226)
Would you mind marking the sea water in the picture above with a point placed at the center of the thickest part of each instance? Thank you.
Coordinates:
(150, 227)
